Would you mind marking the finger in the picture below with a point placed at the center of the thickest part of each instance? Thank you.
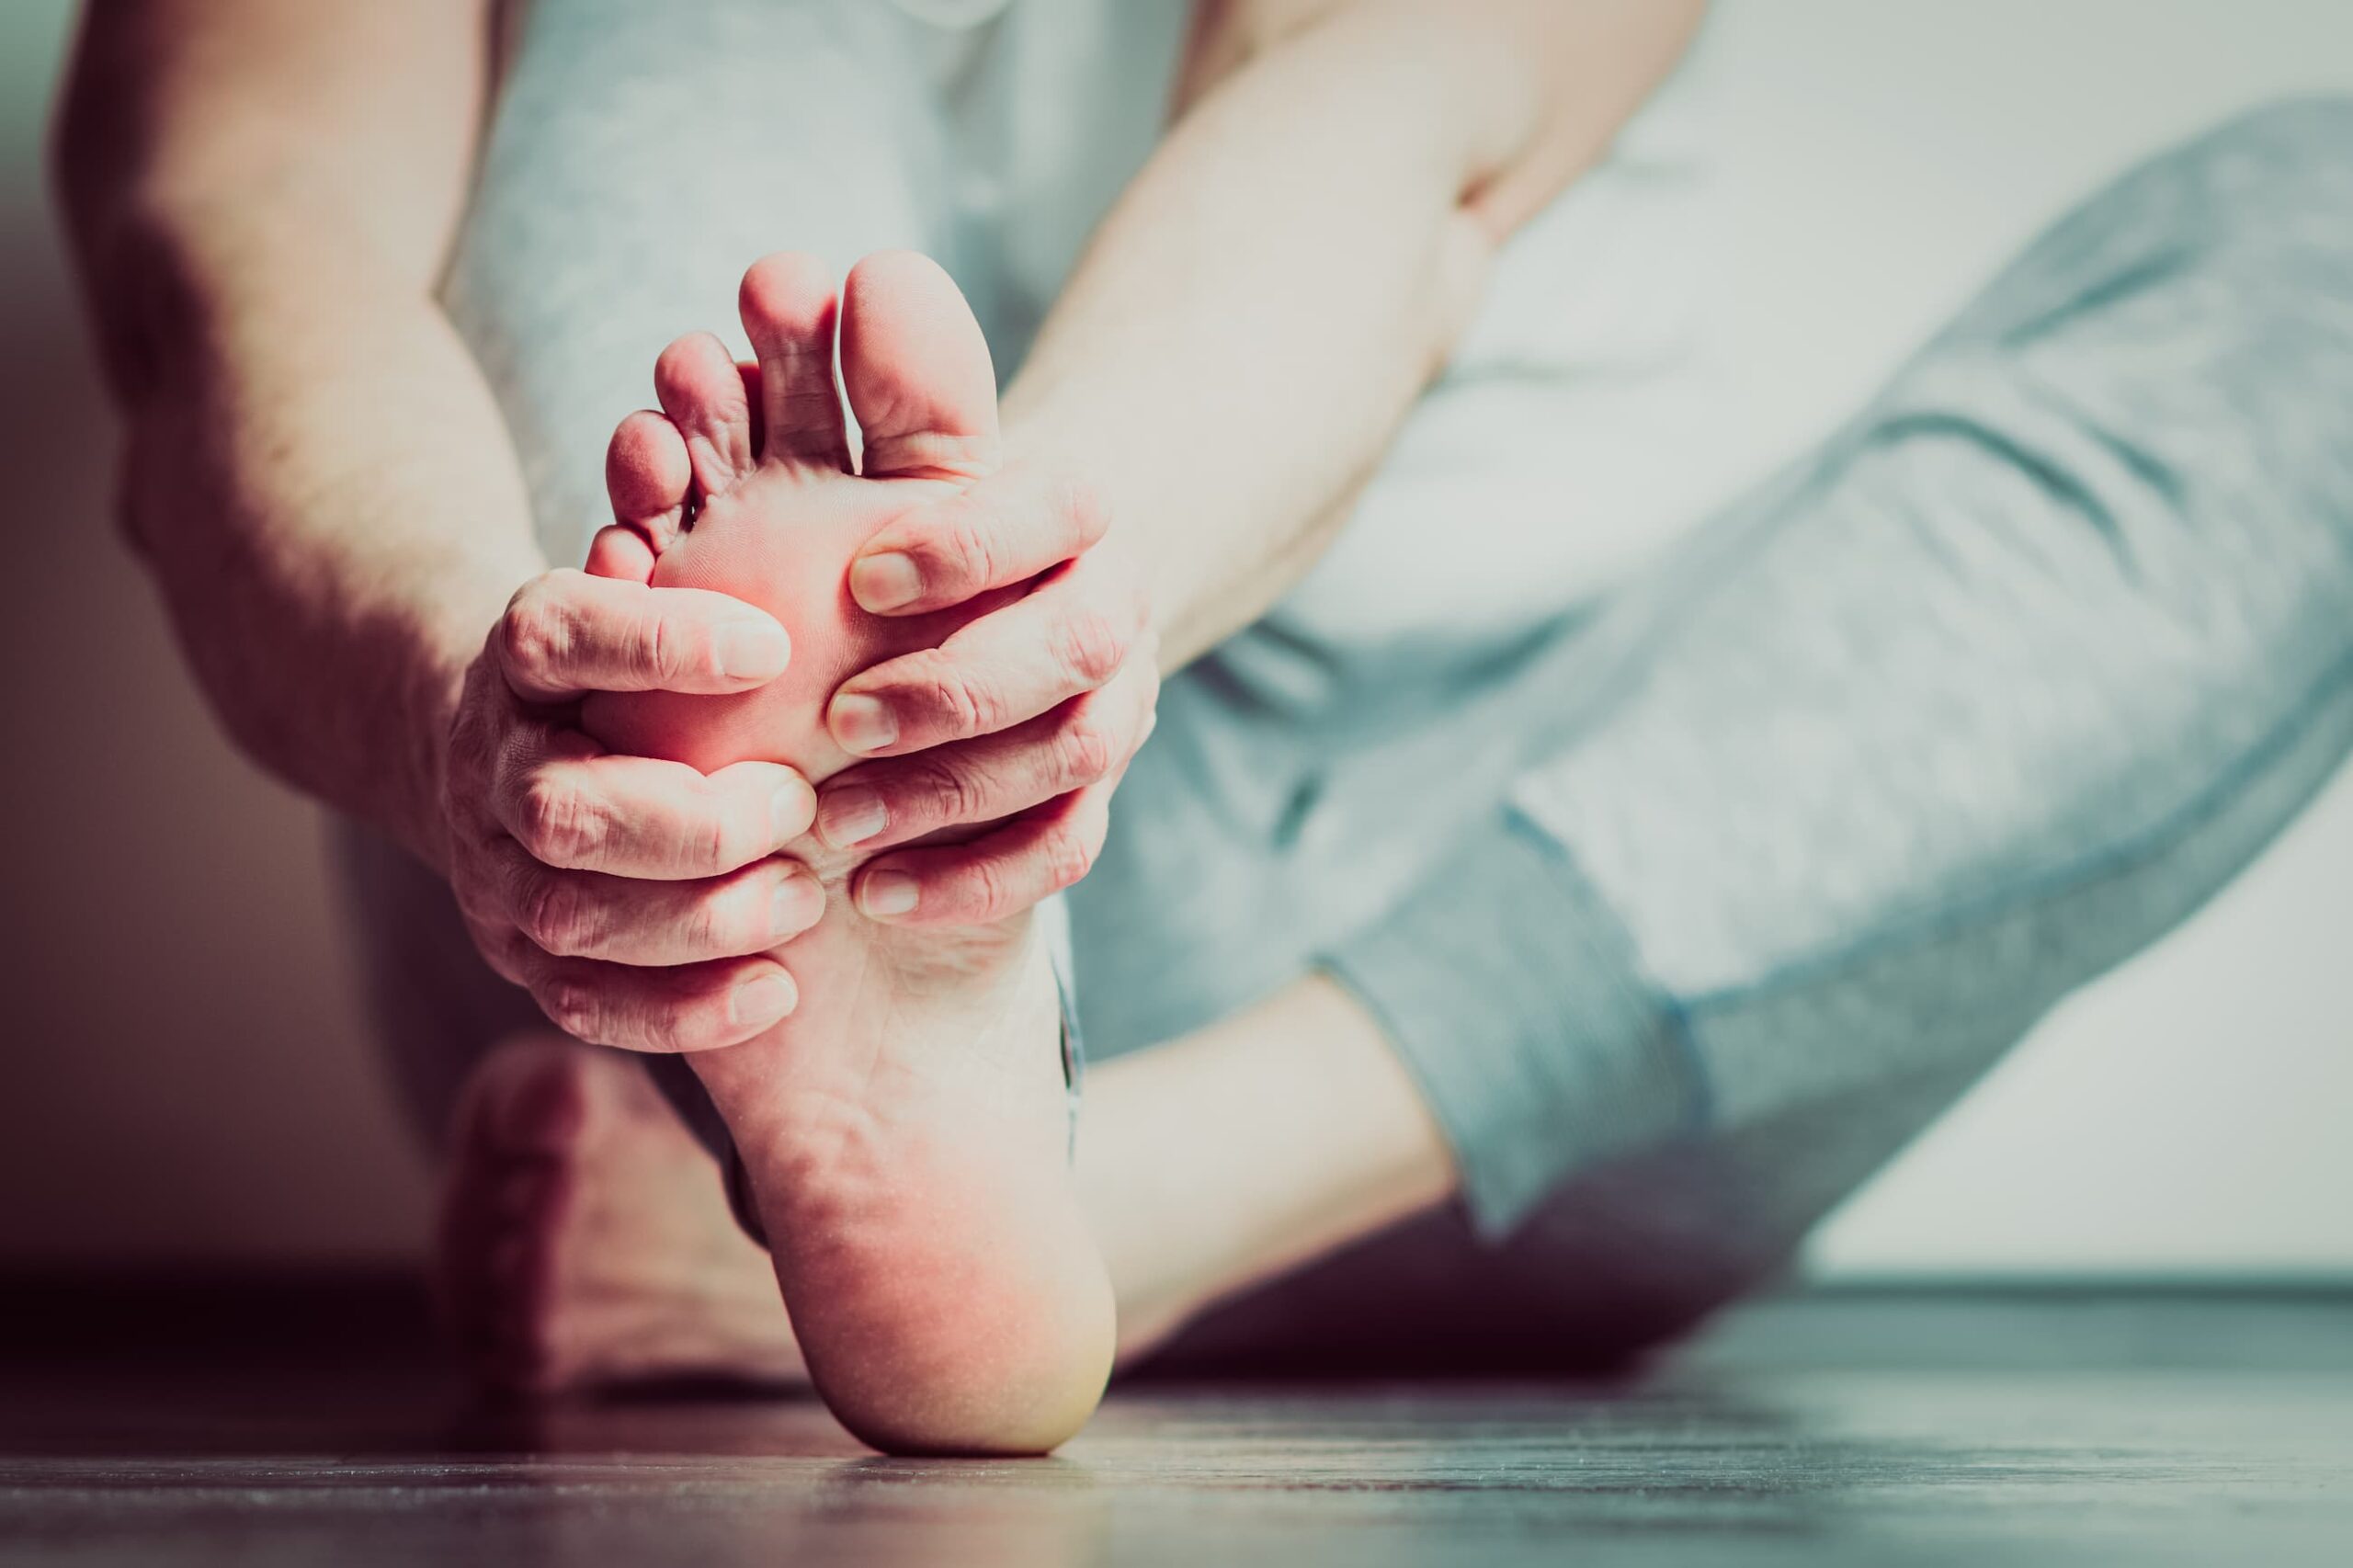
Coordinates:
(628, 920)
(995, 875)
(572, 805)
(686, 1008)
(566, 632)
(1069, 636)
(878, 804)
(1003, 529)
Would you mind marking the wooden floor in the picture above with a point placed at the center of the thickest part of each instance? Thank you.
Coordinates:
(305, 1422)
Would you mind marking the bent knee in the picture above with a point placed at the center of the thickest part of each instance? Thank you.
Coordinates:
(2281, 173)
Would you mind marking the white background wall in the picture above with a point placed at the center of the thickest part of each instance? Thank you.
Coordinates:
(186, 1075)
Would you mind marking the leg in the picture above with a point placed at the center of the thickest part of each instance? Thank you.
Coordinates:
(1829, 810)
(905, 1132)
(584, 1237)
(607, 216)
(640, 155)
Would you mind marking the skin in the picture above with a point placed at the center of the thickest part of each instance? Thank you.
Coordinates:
(1340, 175)
(905, 1132)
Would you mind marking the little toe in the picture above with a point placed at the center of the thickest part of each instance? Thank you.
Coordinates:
(790, 306)
(917, 371)
(702, 391)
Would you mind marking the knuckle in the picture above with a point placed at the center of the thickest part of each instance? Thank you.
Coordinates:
(986, 891)
(534, 634)
(1088, 753)
(938, 794)
(964, 703)
(558, 826)
(668, 651)
(656, 643)
(966, 548)
(1091, 646)
(552, 914)
(1067, 857)
(682, 1019)
(573, 1006)
(721, 923)
(708, 842)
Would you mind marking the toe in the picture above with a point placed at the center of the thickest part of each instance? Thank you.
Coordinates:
(648, 476)
(789, 308)
(617, 551)
(702, 391)
(917, 370)
(543, 1110)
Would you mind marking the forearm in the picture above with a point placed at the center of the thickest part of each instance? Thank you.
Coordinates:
(323, 490)
(260, 194)
(1266, 299)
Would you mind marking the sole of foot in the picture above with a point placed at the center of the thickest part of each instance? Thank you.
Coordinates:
(906, 1130)
(585, 1243)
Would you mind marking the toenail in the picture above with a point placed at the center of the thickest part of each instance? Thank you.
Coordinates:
(887, 892)
(885, 581)
(756, 1004)
(863, 723)
(852, 814)
(753, 649)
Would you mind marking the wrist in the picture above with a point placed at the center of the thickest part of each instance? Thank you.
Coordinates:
(1052, 434)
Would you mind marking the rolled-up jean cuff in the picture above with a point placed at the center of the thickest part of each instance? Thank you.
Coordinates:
(1510, 992)
(687, 1096)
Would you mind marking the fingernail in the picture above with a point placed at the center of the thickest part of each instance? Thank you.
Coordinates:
(887, 892)
(852, 814)
(862, 724)
(756, 1004)
(885, 581)
(753, 649)
(789, 810)
(788, 909)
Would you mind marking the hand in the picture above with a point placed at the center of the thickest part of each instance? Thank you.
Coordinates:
(634, 898)
(1027, 717)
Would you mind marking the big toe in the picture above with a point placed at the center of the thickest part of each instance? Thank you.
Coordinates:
(916, 368)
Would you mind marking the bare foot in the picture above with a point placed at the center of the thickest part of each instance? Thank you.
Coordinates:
(905, 1129)
(585, 1241)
